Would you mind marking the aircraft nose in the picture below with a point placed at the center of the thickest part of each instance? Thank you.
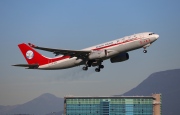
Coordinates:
(156, 36)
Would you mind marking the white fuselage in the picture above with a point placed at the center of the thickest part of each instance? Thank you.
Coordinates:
(115, 47)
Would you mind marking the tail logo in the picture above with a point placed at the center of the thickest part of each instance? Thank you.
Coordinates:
(29, 54)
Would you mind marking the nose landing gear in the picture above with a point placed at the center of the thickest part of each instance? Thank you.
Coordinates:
(145, 51)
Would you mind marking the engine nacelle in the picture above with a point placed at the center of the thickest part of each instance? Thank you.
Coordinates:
(119, 58)
(98, 54)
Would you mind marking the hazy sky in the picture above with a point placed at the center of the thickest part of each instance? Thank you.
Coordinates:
(77, 24)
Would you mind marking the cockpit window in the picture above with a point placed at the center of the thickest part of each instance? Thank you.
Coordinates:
(151, 33)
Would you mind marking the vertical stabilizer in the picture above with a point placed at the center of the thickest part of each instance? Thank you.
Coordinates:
(32, 56)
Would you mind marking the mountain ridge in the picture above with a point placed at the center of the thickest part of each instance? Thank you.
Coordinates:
(164, 82)
(41, 105)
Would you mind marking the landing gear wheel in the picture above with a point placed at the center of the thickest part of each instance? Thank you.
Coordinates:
(97, 69)
(85, 68)
(101, 66)
(145, 51)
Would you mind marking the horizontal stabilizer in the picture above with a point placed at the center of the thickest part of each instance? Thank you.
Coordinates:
(30, 66)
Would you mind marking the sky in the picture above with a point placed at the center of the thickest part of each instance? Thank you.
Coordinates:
(77, 24)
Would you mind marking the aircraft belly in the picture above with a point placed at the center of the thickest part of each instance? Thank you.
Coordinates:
(62, 64)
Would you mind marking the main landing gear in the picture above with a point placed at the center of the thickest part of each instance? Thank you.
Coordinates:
(85, 68)
(99, 68)
(89, 64)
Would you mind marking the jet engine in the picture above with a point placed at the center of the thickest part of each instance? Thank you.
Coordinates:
(98, 54)
(119, 58)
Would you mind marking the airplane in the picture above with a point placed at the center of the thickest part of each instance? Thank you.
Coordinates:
(116, 50)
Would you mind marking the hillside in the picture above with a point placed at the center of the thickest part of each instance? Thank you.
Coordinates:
(41, 105)
(168, 84)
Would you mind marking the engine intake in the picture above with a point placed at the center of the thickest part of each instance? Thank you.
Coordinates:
(119, 58)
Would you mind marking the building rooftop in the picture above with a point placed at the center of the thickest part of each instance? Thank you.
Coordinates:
(84, 97)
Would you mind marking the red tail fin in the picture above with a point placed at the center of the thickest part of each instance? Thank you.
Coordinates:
(32, 56)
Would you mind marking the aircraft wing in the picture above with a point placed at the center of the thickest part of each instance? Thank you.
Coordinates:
(30, 66)
(72, 53)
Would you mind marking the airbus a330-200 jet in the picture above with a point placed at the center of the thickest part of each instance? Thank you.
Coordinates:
(116, 50)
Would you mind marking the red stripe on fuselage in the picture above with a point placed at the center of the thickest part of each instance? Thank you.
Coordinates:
(67, 56)
(118, 43)
(59, 58)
